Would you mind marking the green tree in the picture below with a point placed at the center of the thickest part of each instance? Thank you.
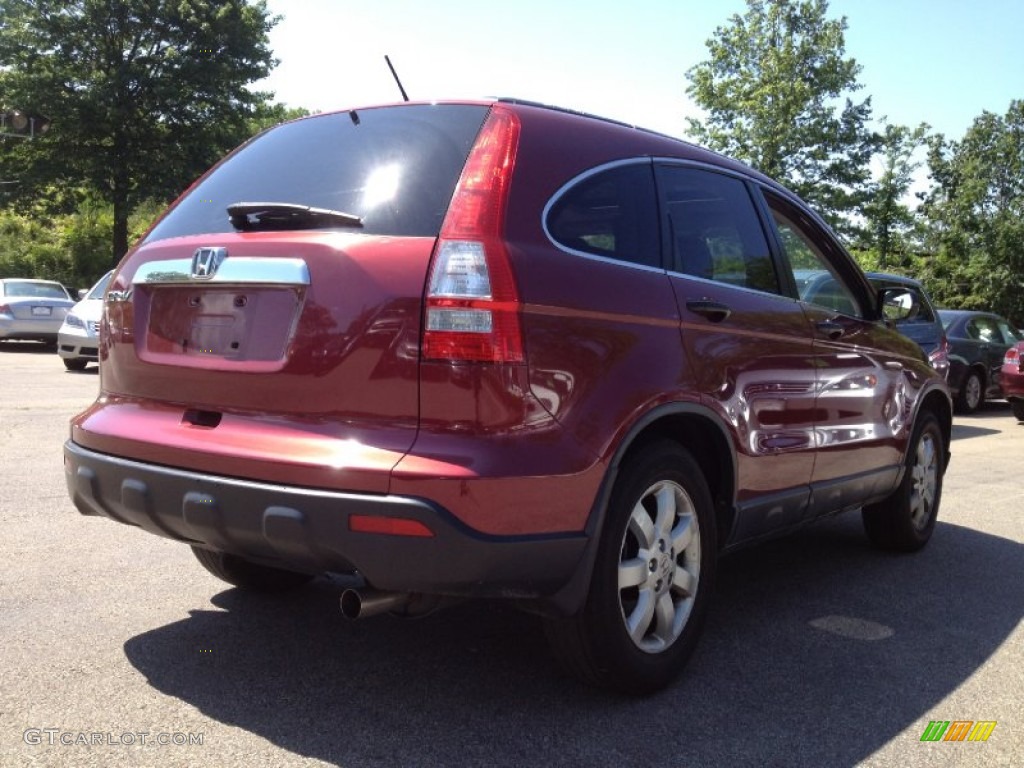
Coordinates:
(976, 213)
(143, 95)
(891, 224)
(774, 92)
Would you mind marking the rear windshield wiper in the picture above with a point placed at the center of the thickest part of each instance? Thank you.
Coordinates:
(252, 216)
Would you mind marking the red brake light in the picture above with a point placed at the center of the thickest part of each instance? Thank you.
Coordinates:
(472, 305)
(1013, 357)
(940, 355)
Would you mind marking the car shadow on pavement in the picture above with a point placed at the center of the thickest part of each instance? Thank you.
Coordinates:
(819, 650)
(963, 431)
(29, 347)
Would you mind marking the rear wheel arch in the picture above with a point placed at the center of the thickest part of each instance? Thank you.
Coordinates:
(697, 430)
(939, 405)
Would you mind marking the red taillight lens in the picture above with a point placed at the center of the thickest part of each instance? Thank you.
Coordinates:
(1013, 357)
(940, 355)
(5, 309)
(472, 305)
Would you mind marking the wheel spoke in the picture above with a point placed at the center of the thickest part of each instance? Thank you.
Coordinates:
(926, 454)
(641, 526)
(639, 620)
(682, 534)
(632, 573)
(924, 481)
(665, 613)
(666, 500)
(684, 582)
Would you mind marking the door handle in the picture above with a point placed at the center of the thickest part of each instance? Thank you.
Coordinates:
(712, 310)
(831, 329)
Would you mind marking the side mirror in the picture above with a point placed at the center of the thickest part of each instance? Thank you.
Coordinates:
(82, 293)
(898, 305)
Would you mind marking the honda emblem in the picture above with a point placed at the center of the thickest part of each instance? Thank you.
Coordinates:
(205, 262)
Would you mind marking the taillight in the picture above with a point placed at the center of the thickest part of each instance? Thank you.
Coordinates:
(940, 355)
(1013, 357)
(472, 305)
(5, 309)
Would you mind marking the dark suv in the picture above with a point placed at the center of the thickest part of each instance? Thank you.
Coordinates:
(910, 311)
(495, 349)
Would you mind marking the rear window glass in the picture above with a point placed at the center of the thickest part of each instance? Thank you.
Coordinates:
(29, 289)
(396, 167)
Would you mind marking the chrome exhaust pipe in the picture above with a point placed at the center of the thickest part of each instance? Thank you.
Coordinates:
(359, 604)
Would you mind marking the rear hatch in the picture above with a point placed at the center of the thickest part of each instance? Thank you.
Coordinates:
(269, 325)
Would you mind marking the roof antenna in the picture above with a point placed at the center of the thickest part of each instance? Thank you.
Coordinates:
(394, 74)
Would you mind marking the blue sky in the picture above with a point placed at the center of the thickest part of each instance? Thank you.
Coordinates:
(937, 61)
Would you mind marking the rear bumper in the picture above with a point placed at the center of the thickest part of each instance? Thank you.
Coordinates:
(308, 530)
(21, 329)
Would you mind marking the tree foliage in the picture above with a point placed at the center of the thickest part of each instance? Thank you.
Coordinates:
(891, 226)
(144, 95)
(71, 248)
(774, 91)
(976, 215)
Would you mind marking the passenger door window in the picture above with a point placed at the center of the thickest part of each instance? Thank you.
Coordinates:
(713, 230)
(817, 280)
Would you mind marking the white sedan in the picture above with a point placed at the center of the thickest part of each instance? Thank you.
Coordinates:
(32, 310)
(78, 339)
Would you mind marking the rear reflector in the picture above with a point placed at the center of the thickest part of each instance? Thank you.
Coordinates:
(472, 304)
(392, 526)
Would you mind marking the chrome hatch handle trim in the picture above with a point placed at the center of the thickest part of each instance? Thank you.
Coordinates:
(238, 270)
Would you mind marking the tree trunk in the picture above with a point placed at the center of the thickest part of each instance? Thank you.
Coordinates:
(120, 226)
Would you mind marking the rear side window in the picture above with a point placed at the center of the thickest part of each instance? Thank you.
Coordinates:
(714, 229)
(395, 167)
(611, 213)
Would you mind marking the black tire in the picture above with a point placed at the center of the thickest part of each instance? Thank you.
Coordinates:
(248, 575)
(74, 363)
(1017, 406)
(905, 520)
(971, 395)
(596, 644)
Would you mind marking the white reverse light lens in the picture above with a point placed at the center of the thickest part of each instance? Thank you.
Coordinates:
(459, 320)
(460, 271)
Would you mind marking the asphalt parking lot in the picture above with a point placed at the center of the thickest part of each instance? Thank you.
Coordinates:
(118, 649)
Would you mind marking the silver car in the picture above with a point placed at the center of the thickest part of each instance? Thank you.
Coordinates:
(78, 340)
(32, 310)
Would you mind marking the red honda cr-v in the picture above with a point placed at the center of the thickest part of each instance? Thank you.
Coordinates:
(495, 349)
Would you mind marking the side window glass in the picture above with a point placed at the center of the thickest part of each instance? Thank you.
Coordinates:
(1010, 336)
(984, 329)
(816, 280)
(713, 228)
(612, 213)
